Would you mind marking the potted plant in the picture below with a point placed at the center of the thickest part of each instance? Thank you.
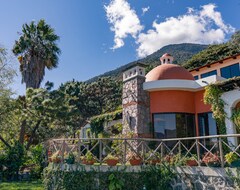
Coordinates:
(152, 157)
(69, 158)
(111, 160)
(211, 160)
(192, 160)
(134, 159)
(56, 157)
(88, 159)
(232, 159)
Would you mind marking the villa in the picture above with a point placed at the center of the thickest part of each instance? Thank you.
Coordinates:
(168, 101)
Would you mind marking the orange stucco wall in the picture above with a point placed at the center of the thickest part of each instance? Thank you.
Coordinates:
(178, 101)
(200, 107)
(172, 101)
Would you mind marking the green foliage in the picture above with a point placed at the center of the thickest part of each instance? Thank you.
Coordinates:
(151, 178)
(115, 183)
(231, 157)
(6, 73)
(37, 49)
(98, 121)
(236, 118)
(211, 54)
(89, 156)
(37, 160)
(215, 52)
(33, 185)
(69, 158)
(11, 159)
(212, 96)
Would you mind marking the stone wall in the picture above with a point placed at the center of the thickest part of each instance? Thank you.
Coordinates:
(136, 111)
(187, 178)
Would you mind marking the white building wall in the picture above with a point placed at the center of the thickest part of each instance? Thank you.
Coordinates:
(231, 99)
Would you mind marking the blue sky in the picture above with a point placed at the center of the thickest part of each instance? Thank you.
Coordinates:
(100, 35)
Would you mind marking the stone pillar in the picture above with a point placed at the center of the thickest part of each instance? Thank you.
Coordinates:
(135, 102)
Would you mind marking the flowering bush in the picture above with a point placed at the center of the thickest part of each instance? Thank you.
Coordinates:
(211, 159)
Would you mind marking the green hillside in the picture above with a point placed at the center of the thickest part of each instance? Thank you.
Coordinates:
(180, 52)
(215, 52)
(188, 55)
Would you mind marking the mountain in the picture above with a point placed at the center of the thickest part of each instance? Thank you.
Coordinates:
(215, 52)
(181, 53)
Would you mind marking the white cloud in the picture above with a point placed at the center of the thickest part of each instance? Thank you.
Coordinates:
(124, 21)
(145, 9)
(204, 26)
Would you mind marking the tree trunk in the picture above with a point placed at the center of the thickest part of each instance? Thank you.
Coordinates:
(33, 134)
(22, 132)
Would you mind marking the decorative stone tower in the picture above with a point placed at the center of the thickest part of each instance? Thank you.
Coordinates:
(166, 59)
(135, 101)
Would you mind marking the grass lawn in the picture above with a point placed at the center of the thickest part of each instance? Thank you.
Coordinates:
(34, 185)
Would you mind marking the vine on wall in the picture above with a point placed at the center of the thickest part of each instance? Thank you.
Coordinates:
(97, 122)
(212, 96)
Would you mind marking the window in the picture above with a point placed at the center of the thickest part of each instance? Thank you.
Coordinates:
(230, 71)
(209, 74)
(196, 77)
(207, 124)
(172, 125)
(207, 127)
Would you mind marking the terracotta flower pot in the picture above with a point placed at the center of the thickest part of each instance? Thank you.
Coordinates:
(135, 162)
(112, 162)
(56, 160)
(192, 163)
(88, 162)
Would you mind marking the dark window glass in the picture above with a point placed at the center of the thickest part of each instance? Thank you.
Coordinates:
(196, 77)
(207, 124)
(173, 125)
(207, 127)
(230, 71)
(209, 74)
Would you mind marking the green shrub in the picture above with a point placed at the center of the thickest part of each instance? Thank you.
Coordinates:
(150, 178)
(12, 160)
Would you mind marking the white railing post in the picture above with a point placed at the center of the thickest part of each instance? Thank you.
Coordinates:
(198, 152)
(221, 151)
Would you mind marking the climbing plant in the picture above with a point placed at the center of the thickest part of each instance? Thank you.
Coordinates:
(212, 96)
(236, 118)
(98, 121)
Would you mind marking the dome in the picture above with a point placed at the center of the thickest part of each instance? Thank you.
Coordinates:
(166, 55)
(168, 71)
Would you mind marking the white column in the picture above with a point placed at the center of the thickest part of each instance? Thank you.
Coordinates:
(230, 98)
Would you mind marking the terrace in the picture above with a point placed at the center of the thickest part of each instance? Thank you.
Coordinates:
(202, 160)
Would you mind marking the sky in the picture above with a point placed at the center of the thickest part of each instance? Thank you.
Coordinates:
(97, 36)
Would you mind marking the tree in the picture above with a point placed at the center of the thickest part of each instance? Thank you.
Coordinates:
(6, 103)
(6, 72)
(36, 50)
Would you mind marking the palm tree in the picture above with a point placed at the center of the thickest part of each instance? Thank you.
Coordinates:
(36, 49)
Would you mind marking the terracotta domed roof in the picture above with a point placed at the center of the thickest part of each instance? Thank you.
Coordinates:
(166, 54)
(168, 71)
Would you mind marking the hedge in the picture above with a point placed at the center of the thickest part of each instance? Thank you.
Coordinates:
(149, 178)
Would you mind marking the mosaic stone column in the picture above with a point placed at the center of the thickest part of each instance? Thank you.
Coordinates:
(135, 102)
